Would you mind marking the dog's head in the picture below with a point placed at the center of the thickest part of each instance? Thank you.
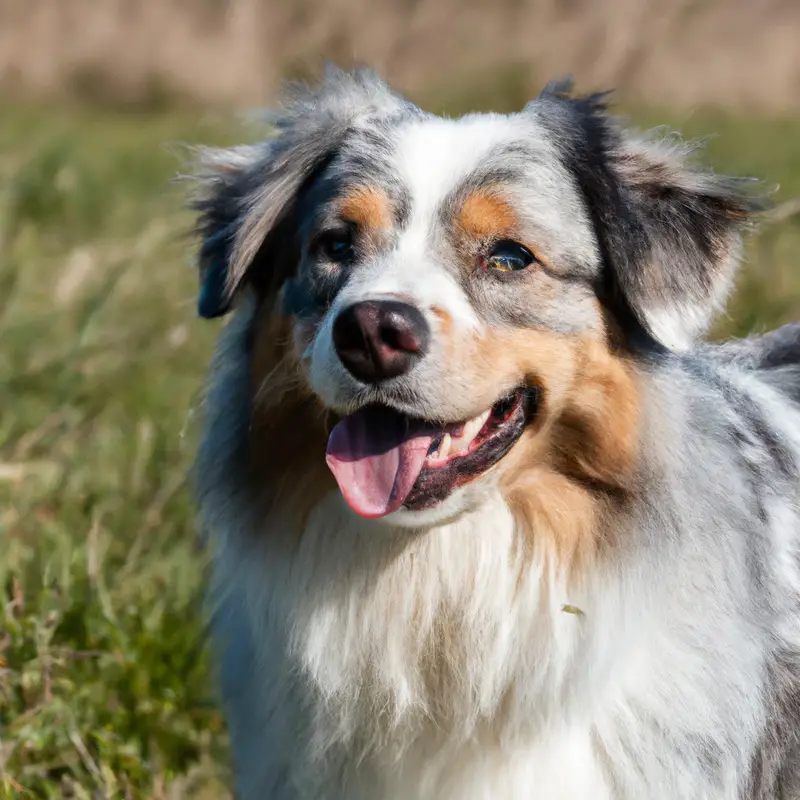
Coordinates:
(460, 300)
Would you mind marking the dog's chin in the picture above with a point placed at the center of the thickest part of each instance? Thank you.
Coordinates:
(413, 472)
(462, 500)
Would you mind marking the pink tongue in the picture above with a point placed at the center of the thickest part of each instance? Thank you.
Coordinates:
(376, 456)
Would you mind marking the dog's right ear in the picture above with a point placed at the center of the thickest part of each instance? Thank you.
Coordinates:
(223, 177)
(244, 192)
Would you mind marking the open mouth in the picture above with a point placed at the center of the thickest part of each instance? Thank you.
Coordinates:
(383, 459)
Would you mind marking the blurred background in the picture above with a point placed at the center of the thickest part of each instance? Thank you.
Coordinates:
(105, 683)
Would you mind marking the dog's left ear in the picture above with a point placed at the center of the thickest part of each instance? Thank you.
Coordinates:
(670, 233)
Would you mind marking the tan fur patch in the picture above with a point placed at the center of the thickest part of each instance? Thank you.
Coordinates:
(444, 317)
(558, 515)
(445, 328)
(367, 206)
(289, 427)
(485, 215)
(577, 462)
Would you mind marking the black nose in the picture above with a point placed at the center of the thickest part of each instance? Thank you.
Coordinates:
(380, 339)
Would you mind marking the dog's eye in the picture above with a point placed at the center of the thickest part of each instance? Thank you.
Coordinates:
(509, 257)
(336, 245)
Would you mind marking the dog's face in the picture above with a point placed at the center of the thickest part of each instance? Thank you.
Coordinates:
(462, 298)
(423, 267)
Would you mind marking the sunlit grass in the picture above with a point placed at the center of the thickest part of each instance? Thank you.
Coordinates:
(104, 681)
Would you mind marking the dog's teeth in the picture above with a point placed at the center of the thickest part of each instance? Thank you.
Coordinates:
(469, 434)
(474, 426)
(459, 439)
(461, 443)
(481, 420)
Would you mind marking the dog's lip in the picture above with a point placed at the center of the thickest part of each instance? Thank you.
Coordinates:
(370, 467)
(453, 427)
(435, 483)
(478, 429)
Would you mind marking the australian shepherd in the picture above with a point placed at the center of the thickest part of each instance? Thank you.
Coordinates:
(488, 519)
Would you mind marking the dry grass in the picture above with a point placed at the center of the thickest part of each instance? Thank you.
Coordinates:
(681, 52)
(104, 680)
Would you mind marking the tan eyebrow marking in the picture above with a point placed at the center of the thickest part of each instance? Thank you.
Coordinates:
(485, 214)
(367, 206)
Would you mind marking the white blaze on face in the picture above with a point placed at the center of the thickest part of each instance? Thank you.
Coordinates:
(433, 156)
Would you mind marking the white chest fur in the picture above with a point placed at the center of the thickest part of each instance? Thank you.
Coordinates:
(439, 664)
(563, 767)
(382, 664)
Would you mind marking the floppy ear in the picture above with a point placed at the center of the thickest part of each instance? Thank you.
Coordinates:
(670, 233)
(244, 192)
(224, 177)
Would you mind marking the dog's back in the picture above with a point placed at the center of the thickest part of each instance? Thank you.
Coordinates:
(776, 356)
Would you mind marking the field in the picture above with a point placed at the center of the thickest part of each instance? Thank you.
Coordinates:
(105, 681)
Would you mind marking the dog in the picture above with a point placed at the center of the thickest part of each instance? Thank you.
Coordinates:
(488, 518)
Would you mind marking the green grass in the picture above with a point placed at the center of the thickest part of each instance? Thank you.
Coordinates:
(105, 687)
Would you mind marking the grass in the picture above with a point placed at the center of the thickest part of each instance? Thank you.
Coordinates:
(105, 687)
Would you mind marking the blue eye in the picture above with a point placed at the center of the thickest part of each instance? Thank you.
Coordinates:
(337, 246)
(509, 257)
